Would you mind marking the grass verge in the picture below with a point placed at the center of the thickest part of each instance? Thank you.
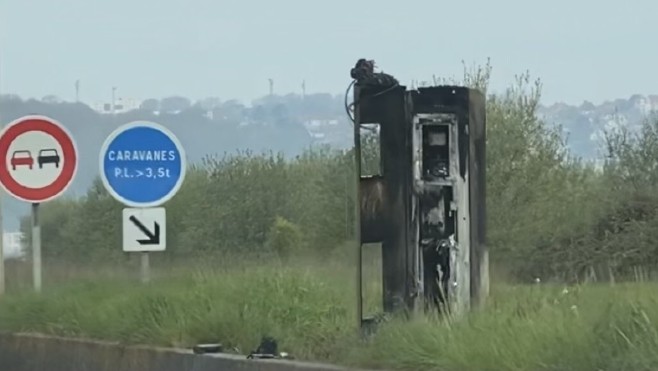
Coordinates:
(310, 310)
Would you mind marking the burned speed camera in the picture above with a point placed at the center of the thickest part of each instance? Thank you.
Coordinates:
(427, 206)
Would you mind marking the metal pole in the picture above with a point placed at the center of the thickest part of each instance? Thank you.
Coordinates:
(114, 89)
(2, 255)
(2, 237)
(2, 241)
(36, 247)
(357, 219)
(145, 268)
(347, 206)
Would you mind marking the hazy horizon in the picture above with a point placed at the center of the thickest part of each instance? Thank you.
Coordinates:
(201, 48)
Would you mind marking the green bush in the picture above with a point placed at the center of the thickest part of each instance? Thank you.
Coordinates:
(284, 238)
(549, 214)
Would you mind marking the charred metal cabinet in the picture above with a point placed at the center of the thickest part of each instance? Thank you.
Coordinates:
(439, 200)
(449, 131)
(383, 212)
(428, 206)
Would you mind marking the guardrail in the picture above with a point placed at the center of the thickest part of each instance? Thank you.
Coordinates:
(32, 352)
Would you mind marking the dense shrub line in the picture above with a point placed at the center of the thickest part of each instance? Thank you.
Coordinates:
(550, 215)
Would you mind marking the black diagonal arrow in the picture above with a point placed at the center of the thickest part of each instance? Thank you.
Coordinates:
(153, 238)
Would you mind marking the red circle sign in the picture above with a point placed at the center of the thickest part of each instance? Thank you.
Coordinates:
(40, 158)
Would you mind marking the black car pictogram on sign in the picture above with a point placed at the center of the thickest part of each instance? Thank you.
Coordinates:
(48, 156)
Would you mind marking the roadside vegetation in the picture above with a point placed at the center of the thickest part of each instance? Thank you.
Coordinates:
(258, 245)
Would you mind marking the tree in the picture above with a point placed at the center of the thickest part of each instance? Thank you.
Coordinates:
(51, 99)
(175, 104)
(150, 105)
(545, 214)
(208, 104)
(284, 237)
(231, 111)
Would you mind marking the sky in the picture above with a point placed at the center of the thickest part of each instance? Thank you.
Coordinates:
(581, 50)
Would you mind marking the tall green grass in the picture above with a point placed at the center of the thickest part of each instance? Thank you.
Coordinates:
(532, 328)
(309, 307)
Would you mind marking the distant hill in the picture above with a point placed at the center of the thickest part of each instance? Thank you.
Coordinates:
(271, 124)
(584, 124)
(288, 124)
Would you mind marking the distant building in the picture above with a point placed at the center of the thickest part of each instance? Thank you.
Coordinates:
(121, 105)
(335, 132)
(12, 245)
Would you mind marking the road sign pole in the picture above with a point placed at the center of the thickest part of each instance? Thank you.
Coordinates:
(144, 231)
(2, 242)
(142, 165)
(36, 247)
(145, 268)
(40, 160)
(2, 255)
(2, 246)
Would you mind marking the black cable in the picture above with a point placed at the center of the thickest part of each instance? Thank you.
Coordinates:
(347, 106)
(353, 104)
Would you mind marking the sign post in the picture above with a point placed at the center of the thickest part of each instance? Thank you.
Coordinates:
(36, 247)
(2, 255)
(40, 162)
(144, 230)
(142, 165)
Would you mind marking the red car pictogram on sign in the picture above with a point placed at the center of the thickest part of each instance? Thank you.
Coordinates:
(21, 158)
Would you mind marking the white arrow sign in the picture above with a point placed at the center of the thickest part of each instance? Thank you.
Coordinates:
(144, 229)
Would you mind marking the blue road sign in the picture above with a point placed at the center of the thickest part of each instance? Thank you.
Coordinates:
(142, 164)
